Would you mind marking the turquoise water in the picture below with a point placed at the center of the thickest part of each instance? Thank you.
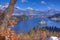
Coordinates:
(26, 25)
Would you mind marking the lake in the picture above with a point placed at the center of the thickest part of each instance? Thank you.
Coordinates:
(26, 25)
(52, 38)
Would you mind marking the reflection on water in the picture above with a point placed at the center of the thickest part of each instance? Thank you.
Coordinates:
(52, 38)
(26, 25)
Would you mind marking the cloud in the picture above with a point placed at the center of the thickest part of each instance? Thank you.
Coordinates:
(43, 2)
(3, 6)
(49, 8)
(18, 7)
(23, 1)
(29, 8)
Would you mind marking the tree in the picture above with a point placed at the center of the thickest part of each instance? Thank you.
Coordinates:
(7, 15)
(31, 33)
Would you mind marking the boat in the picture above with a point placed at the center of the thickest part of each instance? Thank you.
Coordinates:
(43, 22)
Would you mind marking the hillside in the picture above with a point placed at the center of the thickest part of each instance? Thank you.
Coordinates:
(55, 17)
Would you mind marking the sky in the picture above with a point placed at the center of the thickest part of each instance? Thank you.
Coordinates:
(35, 4)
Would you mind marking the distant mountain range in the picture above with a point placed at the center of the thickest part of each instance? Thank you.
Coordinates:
(28, 11)
(55, 17)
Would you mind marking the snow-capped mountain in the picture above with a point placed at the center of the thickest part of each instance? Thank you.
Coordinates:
(3, 7)
(52, 12)
(29, 11)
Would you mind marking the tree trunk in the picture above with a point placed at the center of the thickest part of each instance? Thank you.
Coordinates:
(8, 14)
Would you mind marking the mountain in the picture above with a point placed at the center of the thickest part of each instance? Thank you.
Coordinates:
(30, 11)
(55, 17)
(52, 11)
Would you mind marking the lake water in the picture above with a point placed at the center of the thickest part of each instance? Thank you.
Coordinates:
(26, 25)
(52, 38)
